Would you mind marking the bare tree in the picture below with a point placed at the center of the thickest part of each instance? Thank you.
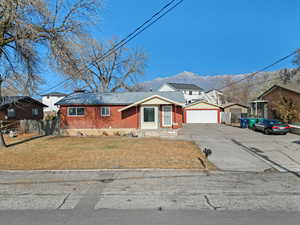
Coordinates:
(237, 92)
(285, 109)
(29, 28)
(101, 72)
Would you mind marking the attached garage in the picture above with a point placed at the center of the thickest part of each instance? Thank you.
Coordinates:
(202, 112)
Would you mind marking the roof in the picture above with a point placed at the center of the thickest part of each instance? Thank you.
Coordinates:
(54, 94)
(288, 88)
(231, 104)
(149, 98)
(182, 86)
(8, 100)
(120, 98)
(202, 101)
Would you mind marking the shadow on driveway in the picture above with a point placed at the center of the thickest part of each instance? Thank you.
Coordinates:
(296, 142)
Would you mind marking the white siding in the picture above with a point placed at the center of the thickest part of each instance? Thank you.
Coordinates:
(166, 87)
(50, 101)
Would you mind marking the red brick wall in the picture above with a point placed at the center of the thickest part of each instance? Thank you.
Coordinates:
(129, 118)
(93, 119)
(177, 116)
(274, 97)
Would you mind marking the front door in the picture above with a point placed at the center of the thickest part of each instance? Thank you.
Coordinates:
(149, 117)
(167, 115)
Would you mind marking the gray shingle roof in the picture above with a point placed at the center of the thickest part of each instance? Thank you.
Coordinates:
(8, 100)
(123, 98)
(182, 86)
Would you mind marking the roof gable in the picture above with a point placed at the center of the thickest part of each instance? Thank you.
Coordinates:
(147, 100)
(274, 87)
(232, 104)
(201, 102)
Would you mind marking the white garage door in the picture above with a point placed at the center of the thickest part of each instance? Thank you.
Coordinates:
(202, 116)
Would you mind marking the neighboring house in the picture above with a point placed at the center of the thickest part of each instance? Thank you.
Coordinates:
(213, 96)
(50, 99)
(266, 103)
(202, 112)
(191, 91)
(21, 108)
(235, 110)
(194, 93)
(84, 112)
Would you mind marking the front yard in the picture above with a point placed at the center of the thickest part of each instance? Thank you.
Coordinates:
(100, 153)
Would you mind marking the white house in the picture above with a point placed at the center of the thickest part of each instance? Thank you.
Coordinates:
(213, 96)
(50, 99)
(193, 93)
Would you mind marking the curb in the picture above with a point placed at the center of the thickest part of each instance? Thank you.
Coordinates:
(96, 170)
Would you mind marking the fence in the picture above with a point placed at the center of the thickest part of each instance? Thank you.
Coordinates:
(42, 127)
(226, 117)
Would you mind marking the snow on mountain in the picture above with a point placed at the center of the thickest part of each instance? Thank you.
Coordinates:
(205, 82)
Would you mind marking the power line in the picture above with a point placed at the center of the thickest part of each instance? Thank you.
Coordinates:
(261, 70)
(120, 45)
(133, 34)
(57, 85)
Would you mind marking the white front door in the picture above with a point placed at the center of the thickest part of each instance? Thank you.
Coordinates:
(149, 117)
(167, 115)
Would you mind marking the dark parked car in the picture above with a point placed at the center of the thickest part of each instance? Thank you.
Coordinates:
(272, 127)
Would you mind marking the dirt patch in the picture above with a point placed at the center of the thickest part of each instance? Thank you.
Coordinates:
(101, 153)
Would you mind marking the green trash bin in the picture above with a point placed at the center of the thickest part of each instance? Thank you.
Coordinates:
(252, 121)
(260, 120)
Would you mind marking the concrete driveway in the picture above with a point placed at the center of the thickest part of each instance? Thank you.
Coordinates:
(246, 150)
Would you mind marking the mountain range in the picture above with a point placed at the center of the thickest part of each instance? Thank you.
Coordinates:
(259, 82)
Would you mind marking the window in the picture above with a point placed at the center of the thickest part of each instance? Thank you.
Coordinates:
(190, 92)
(11, 113)
(149, 115)
(35, 112)
(105, 111)
(76, 111)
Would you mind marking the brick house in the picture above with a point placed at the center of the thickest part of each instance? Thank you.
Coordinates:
(264, 105)
(20, 108)
(91, 113)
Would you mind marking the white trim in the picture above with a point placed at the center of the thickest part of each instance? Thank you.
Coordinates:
(76, 111)
(163, 114)
(146, 99)
(104, 115)
(201, 101)
(149, 125)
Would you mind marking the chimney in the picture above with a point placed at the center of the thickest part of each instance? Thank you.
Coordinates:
(78, 90)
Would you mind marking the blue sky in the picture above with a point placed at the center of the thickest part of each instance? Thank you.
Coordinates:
(207, 37)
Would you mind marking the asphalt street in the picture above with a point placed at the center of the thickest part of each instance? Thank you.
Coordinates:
(149, 197)
(147, 217)
(150, 189)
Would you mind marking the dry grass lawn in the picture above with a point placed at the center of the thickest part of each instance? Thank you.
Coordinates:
(100, 153)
